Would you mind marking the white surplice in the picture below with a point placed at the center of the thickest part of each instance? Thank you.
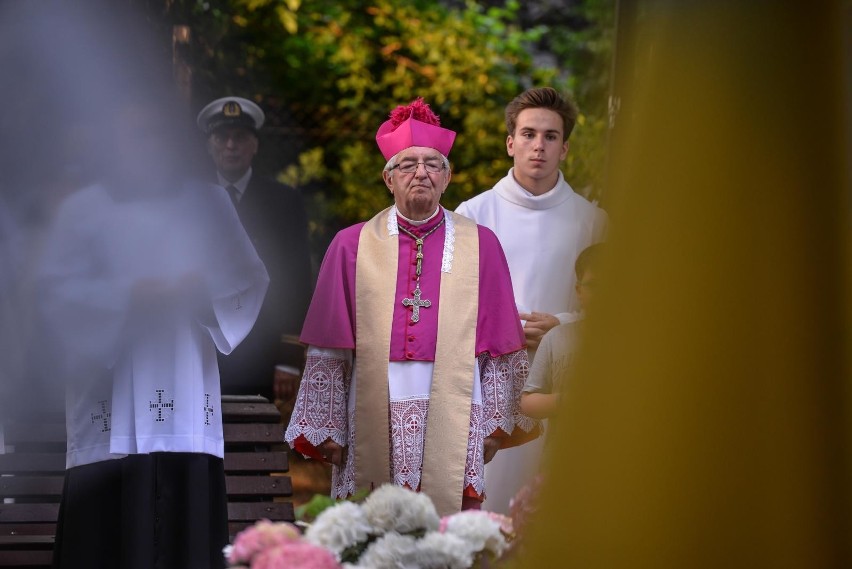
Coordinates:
(542, 237)
(144, 378)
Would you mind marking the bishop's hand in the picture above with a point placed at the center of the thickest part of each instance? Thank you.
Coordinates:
(333, 452)
(537, 325)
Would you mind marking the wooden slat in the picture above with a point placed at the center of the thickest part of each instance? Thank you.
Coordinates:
(32, 462)
(18, 433)
(29, 513)
(28, 529)
(256, 462)
(258, 486)
(236, 527)
(26, 558)
(254, 433)
(244, 399)
(253, 511)
(28, 541)
(250, 412)
(31, 486)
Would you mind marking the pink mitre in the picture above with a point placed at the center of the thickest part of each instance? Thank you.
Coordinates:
(413, 125)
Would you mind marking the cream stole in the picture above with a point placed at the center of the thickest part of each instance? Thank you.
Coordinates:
(448, 422)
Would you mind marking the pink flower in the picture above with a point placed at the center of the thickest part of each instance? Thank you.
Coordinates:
(523, 506)
(262, 535)
(295, 555)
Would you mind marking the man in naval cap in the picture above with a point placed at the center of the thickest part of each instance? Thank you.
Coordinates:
(274, 217)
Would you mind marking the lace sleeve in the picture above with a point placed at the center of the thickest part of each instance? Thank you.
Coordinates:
(502, 380)
(320, 412)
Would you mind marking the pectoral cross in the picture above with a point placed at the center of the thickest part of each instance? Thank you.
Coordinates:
(415, 304)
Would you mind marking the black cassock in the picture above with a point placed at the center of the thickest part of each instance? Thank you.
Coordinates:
(164, 510)
(273, 215)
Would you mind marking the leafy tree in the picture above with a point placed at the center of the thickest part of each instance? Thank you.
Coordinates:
(585, 51)
(329, 72)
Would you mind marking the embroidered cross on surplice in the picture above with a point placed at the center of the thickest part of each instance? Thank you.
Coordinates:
(103, 416)
(161, 406)
(208, 410)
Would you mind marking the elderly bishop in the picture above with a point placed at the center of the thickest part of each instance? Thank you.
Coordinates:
(416, 358)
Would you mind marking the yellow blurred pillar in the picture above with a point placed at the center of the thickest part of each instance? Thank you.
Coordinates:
(709, 423)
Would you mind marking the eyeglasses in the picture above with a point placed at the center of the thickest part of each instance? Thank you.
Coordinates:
(410, 167)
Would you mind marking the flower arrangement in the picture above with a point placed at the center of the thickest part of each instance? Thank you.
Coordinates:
(397, 528)
(394, 528)
(267, 545)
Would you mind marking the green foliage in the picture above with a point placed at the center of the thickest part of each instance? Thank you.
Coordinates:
(585, 52)
(310, 510)
(338, 68)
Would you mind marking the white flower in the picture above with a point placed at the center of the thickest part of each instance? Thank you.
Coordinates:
(394, 508)
(391, 551)
(339, 527)
(443, 551)
(478, 530)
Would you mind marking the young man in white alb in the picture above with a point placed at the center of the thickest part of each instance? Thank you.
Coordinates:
(542, 225)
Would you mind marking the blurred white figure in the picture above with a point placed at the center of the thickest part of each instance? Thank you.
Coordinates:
(142, 291)
(11, 338)
(144, 275)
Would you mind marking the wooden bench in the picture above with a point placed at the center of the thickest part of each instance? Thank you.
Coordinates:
(32, 471)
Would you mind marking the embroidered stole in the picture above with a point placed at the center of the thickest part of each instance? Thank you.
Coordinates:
(448, 420)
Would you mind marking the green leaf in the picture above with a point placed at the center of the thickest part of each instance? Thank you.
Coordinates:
(309, 511)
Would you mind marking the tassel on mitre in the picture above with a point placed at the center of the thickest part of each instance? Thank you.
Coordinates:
(418, 109)
(413, 125)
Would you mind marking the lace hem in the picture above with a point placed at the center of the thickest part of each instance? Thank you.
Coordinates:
(320, 412)
(503, 380)
(408, 419)
(393, 224)
(449, 244)
(474, 476)
(343, 479)
(408, 430)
